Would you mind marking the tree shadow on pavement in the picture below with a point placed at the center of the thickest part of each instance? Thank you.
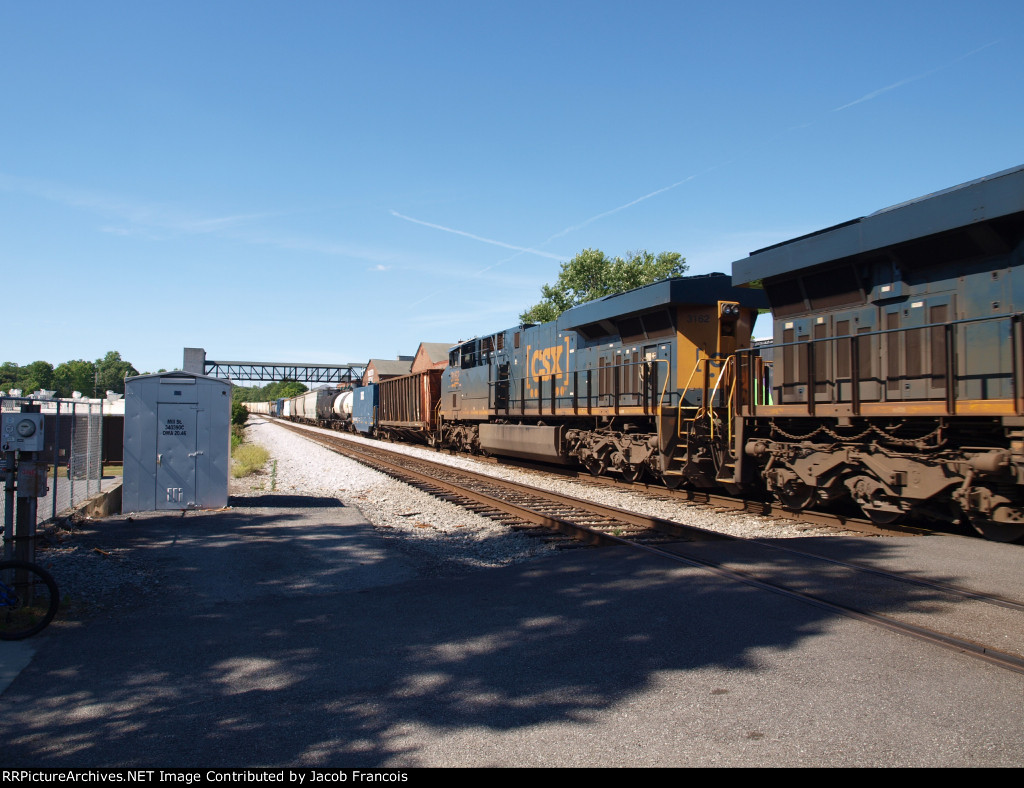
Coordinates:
(257, 653)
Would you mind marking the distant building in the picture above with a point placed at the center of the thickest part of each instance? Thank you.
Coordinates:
(431, 355)
(379, 369)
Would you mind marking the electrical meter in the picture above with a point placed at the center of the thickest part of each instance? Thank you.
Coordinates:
(21, 432)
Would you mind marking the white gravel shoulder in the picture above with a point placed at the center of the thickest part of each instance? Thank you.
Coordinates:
(444, 530)
(304, 467)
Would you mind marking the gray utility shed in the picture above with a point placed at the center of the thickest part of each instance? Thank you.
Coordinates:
(177, 442)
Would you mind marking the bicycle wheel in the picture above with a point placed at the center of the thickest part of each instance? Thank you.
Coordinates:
(28, 599)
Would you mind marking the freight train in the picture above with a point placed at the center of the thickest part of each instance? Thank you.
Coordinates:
(896, 379)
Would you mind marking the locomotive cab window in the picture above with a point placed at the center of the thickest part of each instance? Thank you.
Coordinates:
(469, 354)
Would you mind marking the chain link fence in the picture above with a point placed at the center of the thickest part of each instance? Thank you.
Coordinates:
(73, 451)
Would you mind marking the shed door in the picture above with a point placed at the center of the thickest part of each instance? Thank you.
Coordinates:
(176, 445)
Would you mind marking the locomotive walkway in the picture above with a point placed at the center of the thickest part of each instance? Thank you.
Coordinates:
(288, 631)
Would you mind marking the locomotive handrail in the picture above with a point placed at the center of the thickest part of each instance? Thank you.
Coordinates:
(711, 399)
(646, 400)
(707, 405)
(664, 388)
(962, 321)
(950, 367)
(682, 396)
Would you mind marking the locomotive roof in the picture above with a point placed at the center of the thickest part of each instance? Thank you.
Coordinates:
(703, 289)
(976, 201)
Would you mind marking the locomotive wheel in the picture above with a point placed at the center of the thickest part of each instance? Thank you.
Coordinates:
(998, 532)
(795, 496)
(632, 473)
(595, 466)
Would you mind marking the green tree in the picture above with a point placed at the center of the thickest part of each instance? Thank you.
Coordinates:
(35, 376)
(9, 376)
(111, 372)
(592, 274)
(287, 389)
(239, 415)
(71, 376)
(276, 390)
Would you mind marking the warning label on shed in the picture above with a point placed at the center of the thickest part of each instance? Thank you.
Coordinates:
(174, 427)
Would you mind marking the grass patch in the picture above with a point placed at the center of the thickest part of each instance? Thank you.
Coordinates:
(248, 458)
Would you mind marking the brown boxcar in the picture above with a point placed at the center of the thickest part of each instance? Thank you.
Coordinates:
(408, 406)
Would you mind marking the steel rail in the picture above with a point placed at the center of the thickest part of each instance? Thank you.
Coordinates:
(588, 509)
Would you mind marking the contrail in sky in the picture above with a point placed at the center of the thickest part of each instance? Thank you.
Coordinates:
(629, 204)
(572, 228)
(908, 80)
(559, 234)
(476, 237)
(623, 207)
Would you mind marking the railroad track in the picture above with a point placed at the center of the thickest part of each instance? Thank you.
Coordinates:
(981, 625)
(842, 522)
(511, 502)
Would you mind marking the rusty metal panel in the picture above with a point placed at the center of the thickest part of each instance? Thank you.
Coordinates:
(410, 401)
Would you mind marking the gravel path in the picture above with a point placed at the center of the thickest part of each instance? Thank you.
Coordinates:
(431, 526)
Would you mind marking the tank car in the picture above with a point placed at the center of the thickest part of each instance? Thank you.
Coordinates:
(341, 408)
(617, 384)
(322, 407)
(897, 375)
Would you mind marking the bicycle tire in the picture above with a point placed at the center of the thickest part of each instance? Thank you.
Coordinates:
(28, 599)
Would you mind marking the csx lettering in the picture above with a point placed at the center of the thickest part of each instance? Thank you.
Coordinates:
(546, 362)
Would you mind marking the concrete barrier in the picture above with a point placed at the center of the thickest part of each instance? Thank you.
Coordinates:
(102, 504)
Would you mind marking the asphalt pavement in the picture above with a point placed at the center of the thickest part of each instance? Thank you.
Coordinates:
(291, 632)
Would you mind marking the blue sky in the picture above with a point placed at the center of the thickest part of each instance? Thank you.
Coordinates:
(335, 181)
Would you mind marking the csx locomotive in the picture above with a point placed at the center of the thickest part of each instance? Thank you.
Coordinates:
(894, 379)
(624, 383)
